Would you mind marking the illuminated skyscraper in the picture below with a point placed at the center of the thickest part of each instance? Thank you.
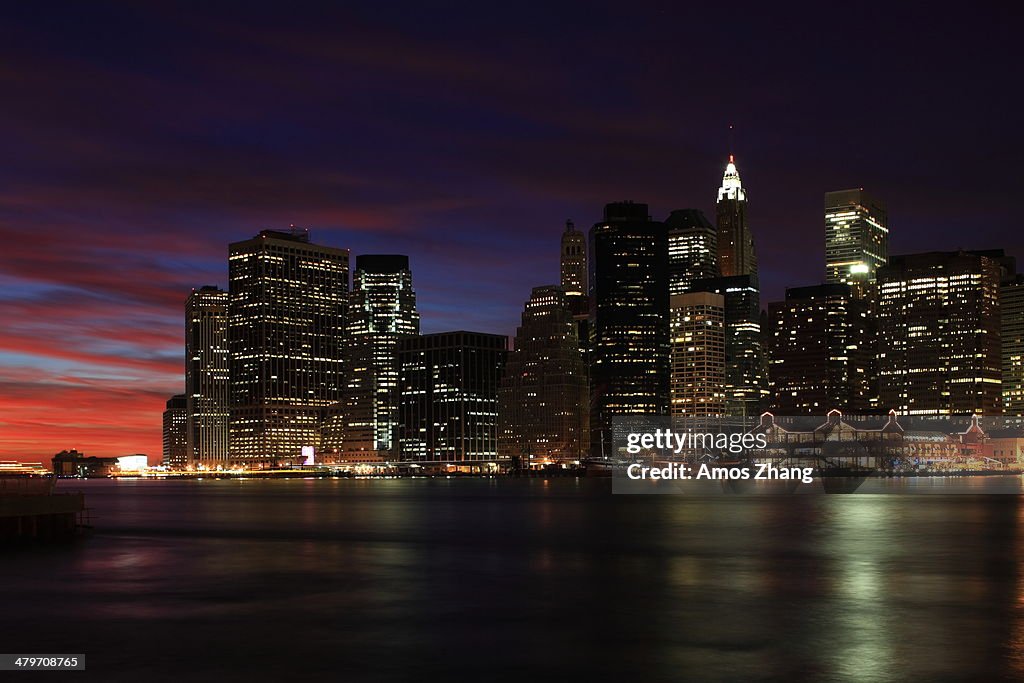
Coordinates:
(382, 310)
(629, 368)
(698, 355)
(175, 437)
(821, 346)
(1011, 309)
(939, 333)
(206, 376)
(856, 239)
(746, 370)
(286, 325)
(544, 400)
(692, 249)
(736, 255)
(448, 397)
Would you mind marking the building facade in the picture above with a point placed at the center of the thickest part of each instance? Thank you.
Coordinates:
(573, 264)
(692, 249)
(448, 397)
(856, 239)
(1011, 312)
(363, 426)
(286, 326)
(629, 366)
(939, 347)
(821, 350)
(175, 433)
(746, 370)
(575, 283)
(698, 356)
(736, 254)
(207, 371)
(544, 400)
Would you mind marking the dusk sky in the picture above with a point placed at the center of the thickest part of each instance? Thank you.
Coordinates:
(137, 142)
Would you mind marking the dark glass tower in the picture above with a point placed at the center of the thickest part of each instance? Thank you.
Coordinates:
(543, 406)
(207, 376)
(736, 255)
(286, 325)
(382, 310)
(629, 298)
(448, 401)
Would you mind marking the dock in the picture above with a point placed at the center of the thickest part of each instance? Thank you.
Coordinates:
(31, 510)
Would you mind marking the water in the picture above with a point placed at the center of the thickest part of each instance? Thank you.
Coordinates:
(521, 580)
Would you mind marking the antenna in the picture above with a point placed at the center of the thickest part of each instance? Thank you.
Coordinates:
(730, 142)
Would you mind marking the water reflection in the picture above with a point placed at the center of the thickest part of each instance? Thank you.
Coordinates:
(526, 579)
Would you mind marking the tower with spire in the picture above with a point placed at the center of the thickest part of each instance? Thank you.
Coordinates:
(736, 255)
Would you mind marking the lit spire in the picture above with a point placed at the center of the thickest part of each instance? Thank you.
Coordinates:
(731, 187)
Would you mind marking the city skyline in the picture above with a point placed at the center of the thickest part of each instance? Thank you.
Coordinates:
(109, 223)
(552, 256)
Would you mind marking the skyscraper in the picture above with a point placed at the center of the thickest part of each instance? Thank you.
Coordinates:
(175, 438)
(575, 283)
(629, 297)
(574, 265)
(544, 400)
(821, 346)
(698, 355)
(939, 333)
(382, 310)
(746, 370)
(736, 255)
(1011, 309)
(692, 249)
(448, 400)
(286, 324)
(856, 239)
(207, 376)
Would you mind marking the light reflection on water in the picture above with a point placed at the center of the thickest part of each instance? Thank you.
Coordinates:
(481, 579)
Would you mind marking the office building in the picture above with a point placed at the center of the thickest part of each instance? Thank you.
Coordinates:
(575, 282)
(856, 239)
(939, 348)
(448, 397)
(698, 356)
(574, 267)
(821, 350)
(544, 401)
(175, 436)
(629, 367)
(363, 426)
(286, 326)
(207, 377)
(692, 249)
(746, 371)
(1011, 310)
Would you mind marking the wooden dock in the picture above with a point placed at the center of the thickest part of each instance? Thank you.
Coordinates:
(29, 509)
